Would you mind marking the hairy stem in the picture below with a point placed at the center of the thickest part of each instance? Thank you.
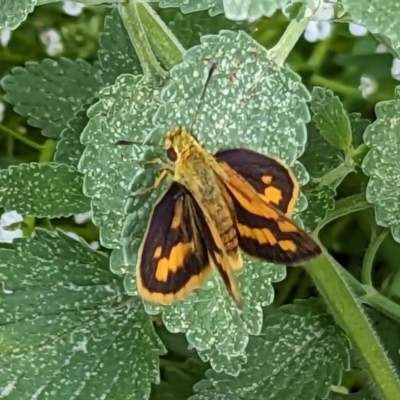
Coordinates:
(326, 273)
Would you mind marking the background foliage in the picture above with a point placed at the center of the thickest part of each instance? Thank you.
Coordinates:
(295, 79)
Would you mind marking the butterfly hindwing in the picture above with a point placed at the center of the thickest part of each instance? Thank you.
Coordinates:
(263, 229)
(269, 177)
(173, 259)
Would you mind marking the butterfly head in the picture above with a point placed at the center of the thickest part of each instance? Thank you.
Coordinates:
(178, 141)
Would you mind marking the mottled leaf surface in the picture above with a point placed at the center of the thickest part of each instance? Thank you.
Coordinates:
(44, 190)
(237, 10)
(124, 111)
(331, 118)
(320, 200)
(14, 12)
(51, 92)
(117, 55)
(64, 333)
(69, 148)
(382, 164)
(379, 17)
(300, 353)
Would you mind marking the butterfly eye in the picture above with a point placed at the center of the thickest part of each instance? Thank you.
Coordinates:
(171, 154)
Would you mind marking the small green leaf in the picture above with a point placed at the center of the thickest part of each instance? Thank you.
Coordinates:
(117, 55)
(64, 331)
(331, 118)
(299, 355)
(320, 157)
(320, 201)
(50, 93)
(44, 190)
(382, 164)
(13, 12)
(69, 148)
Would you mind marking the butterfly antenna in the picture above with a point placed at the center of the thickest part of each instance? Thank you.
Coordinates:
(203, 92)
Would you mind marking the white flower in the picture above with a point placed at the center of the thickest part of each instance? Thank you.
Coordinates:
(73, 9)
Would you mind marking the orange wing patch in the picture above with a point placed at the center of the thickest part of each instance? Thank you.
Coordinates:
(264, 231)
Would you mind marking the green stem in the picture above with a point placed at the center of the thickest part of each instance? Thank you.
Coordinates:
(335, 176)
(359, 154)
(326, 273)
(345, 90)
(288, 40)
(47, 151)
(346, 206)
(366, 271)
(21, 138)
(136, 31)
(381, 303)
(318, 55)
(163, 41)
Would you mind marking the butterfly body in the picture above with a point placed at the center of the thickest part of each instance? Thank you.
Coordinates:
(198, 172)
(215, 207)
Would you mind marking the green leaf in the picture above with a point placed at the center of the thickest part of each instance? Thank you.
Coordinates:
(243, 106)
(299, 355)
(382, 164)
(50, 93)
(249, 10)
(117, 55)
(64, 331)
(331, 118)
(44, 190)
(379, 17)
(233, 114)
(69, 148)
(320, 157)
(13, 12)
(320, 199)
